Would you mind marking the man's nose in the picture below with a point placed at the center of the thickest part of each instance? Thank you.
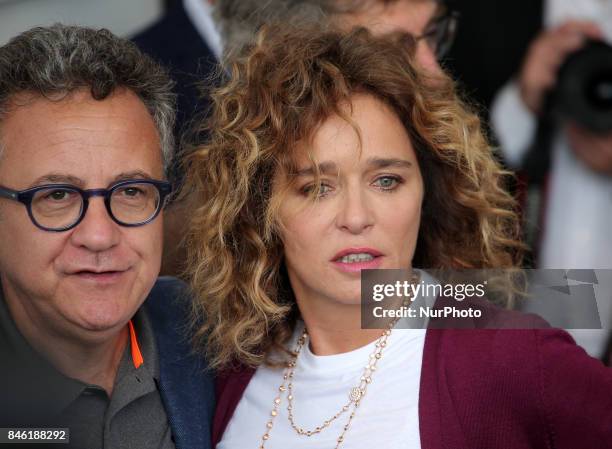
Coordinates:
(354, 214)
(97, 231)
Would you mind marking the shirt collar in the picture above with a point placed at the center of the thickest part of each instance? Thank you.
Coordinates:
(200, 14)
(137, 358)
(132, 381)
(142, 344)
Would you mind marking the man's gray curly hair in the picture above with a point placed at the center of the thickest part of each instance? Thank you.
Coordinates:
(60, 59)
(239, 20)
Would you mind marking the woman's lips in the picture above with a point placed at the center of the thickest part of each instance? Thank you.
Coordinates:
(356, 267)
(355, 251)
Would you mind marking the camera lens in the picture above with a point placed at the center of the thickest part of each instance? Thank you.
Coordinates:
(599, 90)
(583, 92)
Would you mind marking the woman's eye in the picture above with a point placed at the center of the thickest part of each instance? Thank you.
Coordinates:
(387, 182)
(324, 189)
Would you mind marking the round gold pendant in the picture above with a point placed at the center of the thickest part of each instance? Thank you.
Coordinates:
(355, 394)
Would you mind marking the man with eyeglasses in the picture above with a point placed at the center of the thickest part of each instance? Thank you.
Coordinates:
(85, 134)
(432, 23)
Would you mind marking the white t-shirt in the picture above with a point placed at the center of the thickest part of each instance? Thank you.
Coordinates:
(386, 418)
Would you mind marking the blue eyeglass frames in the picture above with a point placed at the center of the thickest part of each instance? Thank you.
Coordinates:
(60, 207)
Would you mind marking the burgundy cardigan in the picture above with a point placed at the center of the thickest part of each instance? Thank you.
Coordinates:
(490, 389)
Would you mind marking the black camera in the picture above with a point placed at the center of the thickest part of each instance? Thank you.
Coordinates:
(583, 92)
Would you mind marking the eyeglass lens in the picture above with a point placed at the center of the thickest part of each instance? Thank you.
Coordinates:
(56, 208)
(440, 34)
(445, 36)
(134, 203)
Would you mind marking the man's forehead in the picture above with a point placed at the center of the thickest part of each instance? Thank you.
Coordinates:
(77, 98)
(389, 16)
(81, 135)
(374, 3)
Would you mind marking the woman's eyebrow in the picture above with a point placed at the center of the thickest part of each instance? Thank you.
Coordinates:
(329, 167)
(378, 162)
(325, 168)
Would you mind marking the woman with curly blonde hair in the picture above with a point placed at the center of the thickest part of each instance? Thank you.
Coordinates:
(331, 153)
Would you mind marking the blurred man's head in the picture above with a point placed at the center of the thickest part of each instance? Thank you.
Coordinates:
(85, 132)
(426, 20)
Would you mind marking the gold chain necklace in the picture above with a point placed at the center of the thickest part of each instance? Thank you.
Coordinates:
(356, 394)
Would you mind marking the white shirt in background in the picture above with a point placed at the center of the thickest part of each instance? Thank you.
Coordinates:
(200, 14)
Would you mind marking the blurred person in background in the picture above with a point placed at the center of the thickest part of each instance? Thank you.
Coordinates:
(431, 22)
(187, 40)
(330, 153)
(568, 167)
(86, 135)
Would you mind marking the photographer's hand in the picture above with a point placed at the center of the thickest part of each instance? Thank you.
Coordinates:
(546, 54)
(595, 150)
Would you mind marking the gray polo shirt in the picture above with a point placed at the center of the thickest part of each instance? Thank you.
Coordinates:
(35, 393)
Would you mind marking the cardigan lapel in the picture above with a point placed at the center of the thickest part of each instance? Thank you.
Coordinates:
(230, 387)
(430, 418)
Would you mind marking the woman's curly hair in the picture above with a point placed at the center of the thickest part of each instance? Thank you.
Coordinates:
(283, 87)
